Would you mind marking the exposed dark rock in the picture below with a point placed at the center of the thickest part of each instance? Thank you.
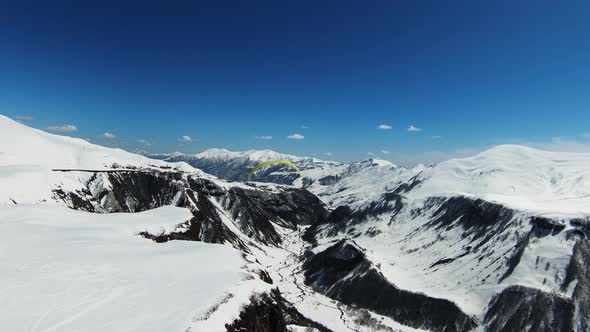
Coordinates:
(295, 206)
(578, 271)
(253, 211)
(263, 314)
(340, 214)
(77, 200)
(519, 308)
(390, 203)
(256, 210)
(236, 169)
(408, 186)
(270, 313)
(343, 272)
(514, 260)
(343, 217)
(207, 222)
(546, 226)
(139, 191)
(582, 226)
(475, 216)
(442, 262)
(264, 276)
(329, 180)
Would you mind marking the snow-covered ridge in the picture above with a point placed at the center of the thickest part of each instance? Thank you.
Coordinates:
(221, 154)
(29, 158)
(316, 175)
(22, 145)
(517, 176)
(257, 155)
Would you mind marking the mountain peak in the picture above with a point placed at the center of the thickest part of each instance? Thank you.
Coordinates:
(382, 163)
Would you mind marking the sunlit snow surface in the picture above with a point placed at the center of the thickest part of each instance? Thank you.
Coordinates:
(29, 156)
(518, 177)
(65, 270)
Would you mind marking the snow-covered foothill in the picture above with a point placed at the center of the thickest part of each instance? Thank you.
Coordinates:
(66, 270)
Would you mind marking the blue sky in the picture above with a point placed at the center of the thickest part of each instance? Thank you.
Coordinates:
(467, 74)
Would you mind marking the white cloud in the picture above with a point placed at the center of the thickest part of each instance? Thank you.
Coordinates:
(412, 128)
(370, 153)
(436, 137)
(304, 127)
(264, 137)
(296, 136)
(63, 128)
(143, 141)
(329, 154)
(186, 138)
(108, 135)
(23, 117)
(385, 152)
(384, 127)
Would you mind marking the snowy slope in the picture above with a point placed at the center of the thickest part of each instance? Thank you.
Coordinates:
(28, 158)
(65, 270)
(517, 176)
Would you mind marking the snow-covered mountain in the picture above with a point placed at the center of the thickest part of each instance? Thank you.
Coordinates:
(236, 166)
(496, 242)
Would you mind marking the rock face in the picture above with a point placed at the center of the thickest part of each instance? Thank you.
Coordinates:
(344, 273)
(272, 313)
(520, 309)
(216, 209)
(578, 277)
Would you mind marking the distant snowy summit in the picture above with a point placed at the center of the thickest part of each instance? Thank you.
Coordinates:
(235, 165)
(519, 176)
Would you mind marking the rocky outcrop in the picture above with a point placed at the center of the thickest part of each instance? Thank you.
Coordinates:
(234, 169)
(216, 210)
(343, 272)
(255, 211)
(271, 313)
(519, 308)
(578, 279)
